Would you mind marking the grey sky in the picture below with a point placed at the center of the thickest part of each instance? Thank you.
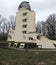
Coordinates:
(43, 8)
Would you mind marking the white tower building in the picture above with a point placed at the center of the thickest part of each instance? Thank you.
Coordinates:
(25, 22)
(25, 30)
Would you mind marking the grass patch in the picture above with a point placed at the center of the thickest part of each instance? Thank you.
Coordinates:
(18, 57)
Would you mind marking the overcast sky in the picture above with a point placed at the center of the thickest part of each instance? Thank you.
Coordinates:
(43, 8)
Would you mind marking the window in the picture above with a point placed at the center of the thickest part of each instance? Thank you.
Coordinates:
(24, 32)
(30, 38)
(39, 46)
(24, 20)
(38, 37)
(54, 44)
(10, 36)
(24, 14)
(24, 26)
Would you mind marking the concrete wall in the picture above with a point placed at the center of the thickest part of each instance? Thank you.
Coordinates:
(17, 34)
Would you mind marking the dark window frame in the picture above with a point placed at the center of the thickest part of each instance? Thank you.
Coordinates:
(30, 38)
(25, 14)
(24, 32)
(25, 26)
(25, 20)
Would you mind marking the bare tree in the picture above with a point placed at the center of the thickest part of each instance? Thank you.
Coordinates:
(49, 27)
(5, 26)
(12, 22)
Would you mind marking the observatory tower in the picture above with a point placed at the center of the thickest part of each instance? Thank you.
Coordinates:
(25, 30)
